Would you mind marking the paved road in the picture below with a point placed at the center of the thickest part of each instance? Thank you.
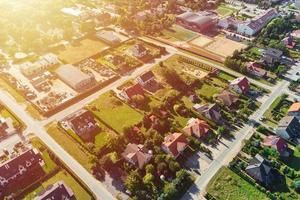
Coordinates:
(35, 127)
(198, 188)
(62, 114)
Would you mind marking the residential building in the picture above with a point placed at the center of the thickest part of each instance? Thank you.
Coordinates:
(288, 128)
(6, 127)
(294, 110)
(83, 124)
(174, 144)
(75, 78)
(139, 51)
(137, 155)
(20, 171)
(277, 143)
(197, 21)
(211, 111)
(131, 91)
(146, 78)
(228, 98)
(272, 56)
(261, 170)
(256, 70)
(197, 127)
(56, 191)
(240, 85)
(253, 26)
(108, 36)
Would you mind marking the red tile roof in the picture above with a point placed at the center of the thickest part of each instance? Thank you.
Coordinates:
(197, 127)
(175, 143)
(275, 142)
(134, 90)
(243, 83)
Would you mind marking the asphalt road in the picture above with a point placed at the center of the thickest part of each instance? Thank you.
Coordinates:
(197, 190)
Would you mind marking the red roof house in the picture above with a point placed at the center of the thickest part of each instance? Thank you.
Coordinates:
(240, 85)
(255, 69)
(228, 98)
(137, 155)
(132, 91)
(174, 144)
(277, 143)
(197, 127)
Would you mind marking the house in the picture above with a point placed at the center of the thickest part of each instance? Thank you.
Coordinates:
(75, 78)
(253, 26)
(272, 56)
(278, 144)
(261, 170)
(197, 127)
(137, 155)
(32, 68)
(229, 22)
(146, 78)
(108, 37)
(6, 127)
(196, 21)
(240, 85)
(211, 111)
(174, 144)
(20, 171)
(289, 42)
(294, 110)
(256, 70)
(83, 124)
(296, 33)
(131, 91)
(139, 51)
(58, 190)
(288, 128)
(228, 98)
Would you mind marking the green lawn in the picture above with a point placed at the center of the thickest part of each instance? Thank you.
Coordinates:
(5, 113)
(269, 115)
(226, 185)
(80, 193)
(208, 90)
(49, 165)
(226, 76)
(178, 33)
(225, 11)
(114, 112)
(71, 146)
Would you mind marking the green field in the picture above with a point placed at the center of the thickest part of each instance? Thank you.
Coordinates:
(178, 33)
(225, 11)
(226, 185)
(80, 193)
(70, 145)
(114, 112)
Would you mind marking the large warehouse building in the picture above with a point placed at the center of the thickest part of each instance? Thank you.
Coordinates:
(197, 21)
(75, 78)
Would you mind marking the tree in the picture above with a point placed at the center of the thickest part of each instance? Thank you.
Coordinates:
(139, 101)
(134, 181)
(174, 166)
(169, 191)
(149, 169)
(148, 179)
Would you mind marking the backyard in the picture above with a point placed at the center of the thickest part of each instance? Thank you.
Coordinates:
(113, 112)
(80, 193)
(227, 185)
(224, 11)
(177, 33)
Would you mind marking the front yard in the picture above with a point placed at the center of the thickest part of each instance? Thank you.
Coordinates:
(227, 185)
(113, 112)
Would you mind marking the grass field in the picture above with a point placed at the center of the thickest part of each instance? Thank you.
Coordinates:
(226, 185)
(50, 165)
(224, 11)
(7, 114)
(269, 115)
(178, 33)
(115, 113)
(208, 90)
(76, 52)
(80, 193)
(71, 146)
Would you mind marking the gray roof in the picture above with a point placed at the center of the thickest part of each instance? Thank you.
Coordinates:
(259, 168)
(71, 75)
(285, 121)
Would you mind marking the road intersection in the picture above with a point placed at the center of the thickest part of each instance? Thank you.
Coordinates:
(96, 187)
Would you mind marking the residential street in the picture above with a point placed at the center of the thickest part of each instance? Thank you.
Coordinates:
(198, 188)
